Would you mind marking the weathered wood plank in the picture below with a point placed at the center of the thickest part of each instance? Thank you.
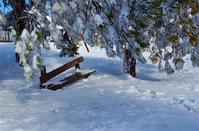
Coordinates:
(68, 80)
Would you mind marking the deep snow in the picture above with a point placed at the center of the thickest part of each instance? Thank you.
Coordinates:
(107, 101)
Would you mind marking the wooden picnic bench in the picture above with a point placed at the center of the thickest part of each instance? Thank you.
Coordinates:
(45, 77)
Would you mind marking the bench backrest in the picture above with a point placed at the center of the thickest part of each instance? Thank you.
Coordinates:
(47, 76)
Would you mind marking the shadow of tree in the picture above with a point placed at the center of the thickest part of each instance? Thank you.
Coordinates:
(114, 67)
(146, 72)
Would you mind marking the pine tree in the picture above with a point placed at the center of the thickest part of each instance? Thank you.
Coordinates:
(176, 35)
(123, 27)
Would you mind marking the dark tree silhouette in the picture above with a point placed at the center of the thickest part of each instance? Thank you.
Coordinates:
(14, 17)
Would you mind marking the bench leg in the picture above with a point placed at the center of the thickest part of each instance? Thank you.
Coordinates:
(77, 66)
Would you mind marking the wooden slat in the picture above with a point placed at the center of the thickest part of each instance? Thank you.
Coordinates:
(68, 80)
(50, 75)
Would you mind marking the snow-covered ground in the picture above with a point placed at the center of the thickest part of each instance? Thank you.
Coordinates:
(107, 101)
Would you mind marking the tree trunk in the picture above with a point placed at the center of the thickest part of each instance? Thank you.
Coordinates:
(19, 7)
(129, 64)
(18, 11)
(132, 68)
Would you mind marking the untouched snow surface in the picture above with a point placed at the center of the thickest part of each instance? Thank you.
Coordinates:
(107, 101)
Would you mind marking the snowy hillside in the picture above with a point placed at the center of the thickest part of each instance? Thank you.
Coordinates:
(107, 101)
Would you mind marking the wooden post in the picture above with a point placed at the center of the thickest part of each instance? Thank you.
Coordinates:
(43, 70)
(43, 73)
(77, 66)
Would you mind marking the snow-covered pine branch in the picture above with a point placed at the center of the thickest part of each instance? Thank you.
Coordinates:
(168, 28)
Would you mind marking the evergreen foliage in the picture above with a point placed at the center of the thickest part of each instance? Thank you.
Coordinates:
(169, 28)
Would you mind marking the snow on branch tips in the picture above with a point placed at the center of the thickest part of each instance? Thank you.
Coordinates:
(166, 28)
